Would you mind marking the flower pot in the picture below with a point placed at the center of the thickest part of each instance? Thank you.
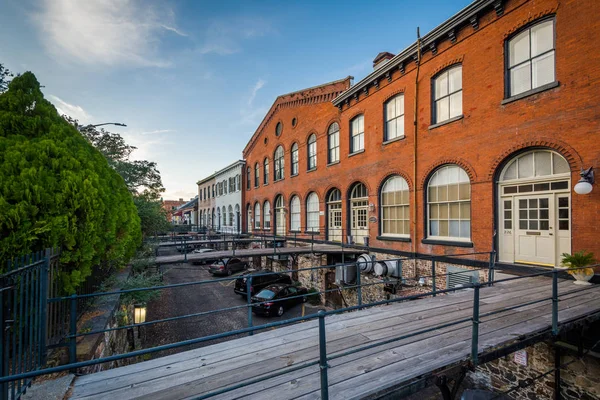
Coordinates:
(582, 276)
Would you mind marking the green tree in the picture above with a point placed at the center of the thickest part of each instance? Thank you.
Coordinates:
(58, 190)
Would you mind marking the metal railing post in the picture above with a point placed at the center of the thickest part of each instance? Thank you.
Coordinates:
(323, 357)
(3, 386)
(475, 328)
(73, 331)
(491, 267)
(555, 302)
(249, 300)
(433, 277)
(312, 242)
(185, 249)
(44, 307)
(358, 285)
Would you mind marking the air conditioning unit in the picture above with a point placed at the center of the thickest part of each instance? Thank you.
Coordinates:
(366, 263)
(388, 268)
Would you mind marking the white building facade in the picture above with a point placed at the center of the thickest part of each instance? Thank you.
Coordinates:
(228, 198)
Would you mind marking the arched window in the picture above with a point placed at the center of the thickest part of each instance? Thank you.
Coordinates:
(312, 151)
(357, 134)
(312, 212)
(219, 221)
(394, 118)
(395, 215)
(230, 221)
(447, 94)
(267, 215)
(449, 203)
(535, 164)
(257, 216)
(334, 215)
(531, 62)
(256, 175)
(294, 155)
(249, 217)
(333, 143)
(266, 171)
(295, 214)
(279, 163)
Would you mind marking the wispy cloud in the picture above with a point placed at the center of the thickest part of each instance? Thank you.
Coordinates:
(104, 32)
(156, 132)
(71, 110)
(259, 84)
(226, 37)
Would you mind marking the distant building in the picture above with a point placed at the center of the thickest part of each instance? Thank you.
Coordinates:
(188, 212)
(170, 206)
(206, 201)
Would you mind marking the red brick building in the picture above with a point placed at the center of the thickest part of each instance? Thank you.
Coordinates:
(473, 143)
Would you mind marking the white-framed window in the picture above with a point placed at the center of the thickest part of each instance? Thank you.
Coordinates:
(295, 214)
(395, 213)
(279, 163)
(394, 118)
(238, 182)
(248, 178)
(230, 212)
(312, 212)
(266, 171)
(449, 203)
(531, 60)
(357, 134)
(333, 143)
(447, 94)
(294, 156)
(311, 149)
(267, 215)
(256, 174)
(257, 216)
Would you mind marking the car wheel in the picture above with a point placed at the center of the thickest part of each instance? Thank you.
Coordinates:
(304, 299)
(280, 311)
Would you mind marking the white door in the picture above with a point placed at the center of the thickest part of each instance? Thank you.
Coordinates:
(535, 239)
(359, 228)
(334, 228)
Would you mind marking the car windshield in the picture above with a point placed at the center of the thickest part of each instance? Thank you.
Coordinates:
(266, 294)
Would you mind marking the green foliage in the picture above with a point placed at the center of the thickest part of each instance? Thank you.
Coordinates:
(137, 282)
(57, 190)
(579, 259)
(152, 215)
(5, 76)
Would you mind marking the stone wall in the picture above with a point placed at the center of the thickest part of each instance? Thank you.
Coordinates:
(579, 380)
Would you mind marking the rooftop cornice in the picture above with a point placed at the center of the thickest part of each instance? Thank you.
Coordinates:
(445, 31)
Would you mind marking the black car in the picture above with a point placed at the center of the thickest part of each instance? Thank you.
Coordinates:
(227, 266)
(275, 299)
(260, 282)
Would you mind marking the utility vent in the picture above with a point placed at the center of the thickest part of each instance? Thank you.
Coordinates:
(389, 268)
(464, 278)
(345, 274)
(366, 263)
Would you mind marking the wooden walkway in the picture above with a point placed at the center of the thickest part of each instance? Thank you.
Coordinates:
(317, 248)
(208, 242)
(200, 371)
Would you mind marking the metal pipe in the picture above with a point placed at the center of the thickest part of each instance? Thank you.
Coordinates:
(323, 357)
(475, 328)
(433, 277)
(555, 302)
(73, 332)
(249, 300)
(415, 127)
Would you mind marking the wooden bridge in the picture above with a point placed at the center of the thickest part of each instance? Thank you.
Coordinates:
(511, 312)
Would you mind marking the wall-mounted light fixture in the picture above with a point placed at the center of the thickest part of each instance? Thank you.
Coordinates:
(584, 186)
(371, 207)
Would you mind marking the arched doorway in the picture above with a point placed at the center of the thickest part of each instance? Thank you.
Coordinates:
(237, 223)
(249, 218)
(534, 208)
(334, 216)
(359, 211)
(280, 222)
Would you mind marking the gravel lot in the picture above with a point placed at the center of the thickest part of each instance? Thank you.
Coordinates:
(195, 299)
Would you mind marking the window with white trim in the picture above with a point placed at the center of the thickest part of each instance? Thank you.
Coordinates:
(449, 203)
(394, 118)
(256, 174)
(312, 151)
(395, 214)
(248, 178)
(312, 213)
(266, 171)
(357, 134)
(279, 163)
(257, 216)
(294, 156)
(531, 60)
(267, 215)
(333, 143)
(447, 94)
(295, 214)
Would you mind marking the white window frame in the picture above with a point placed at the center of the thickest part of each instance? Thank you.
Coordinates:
(311, 151)
(256, 215)
(357, 134)
(333, 143)
(394, 118)
(279, 163)
(267, 215)
(312, 212)
(398, 212)
(443, 92)
(295, 214)
(294, 159)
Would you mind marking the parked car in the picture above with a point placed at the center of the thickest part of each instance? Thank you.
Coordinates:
(227, 266)
(206, 260)
(275, 299)
(260, 282)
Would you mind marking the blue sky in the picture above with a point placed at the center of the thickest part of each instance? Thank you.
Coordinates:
(193, 79)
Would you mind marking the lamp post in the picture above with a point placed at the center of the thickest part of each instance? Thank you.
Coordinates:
(139, 316)
(584, 186)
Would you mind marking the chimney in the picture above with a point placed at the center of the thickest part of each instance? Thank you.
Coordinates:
(181, 199)
(381, 59)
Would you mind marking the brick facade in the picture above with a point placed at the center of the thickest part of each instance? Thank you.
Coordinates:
(564, 118)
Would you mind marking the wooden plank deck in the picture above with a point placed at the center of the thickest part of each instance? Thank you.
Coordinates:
(317, 248)
(200, 371)
(217, 241)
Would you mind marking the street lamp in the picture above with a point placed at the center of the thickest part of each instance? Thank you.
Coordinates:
(584, 186)
(139, 316)
(97, 125)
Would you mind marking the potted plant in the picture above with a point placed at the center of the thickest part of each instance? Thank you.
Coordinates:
(576, 263)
